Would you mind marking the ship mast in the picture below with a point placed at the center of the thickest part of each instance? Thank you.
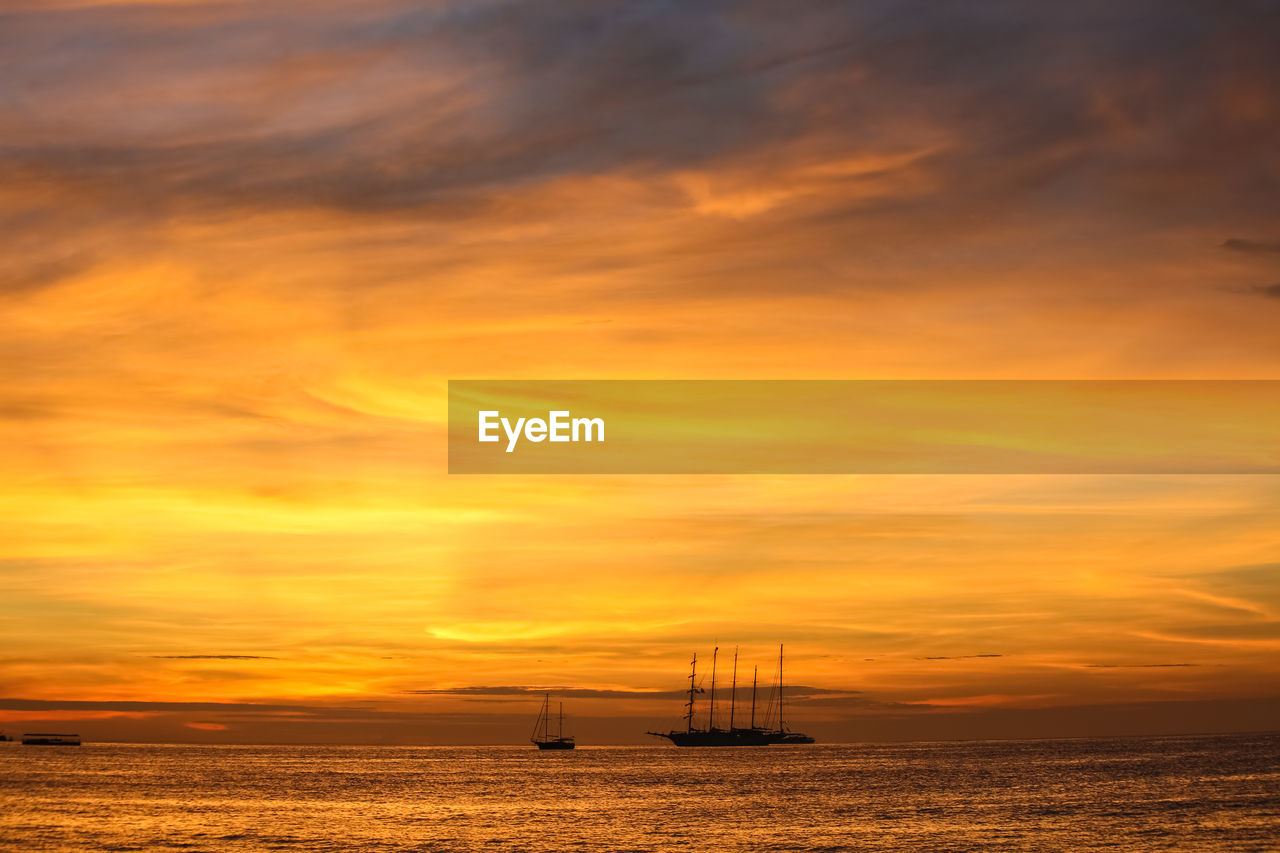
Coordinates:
(561, 735)
(754, 671)
(782, 727)
(693, 672)
(711, 717)
(733, 689)
(540, 727)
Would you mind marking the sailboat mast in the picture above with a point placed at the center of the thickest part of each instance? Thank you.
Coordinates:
(711, 717)
(781, 725)
(754, 671)
(693, 673)
(540, 727)
(561, 735)
(733, 689)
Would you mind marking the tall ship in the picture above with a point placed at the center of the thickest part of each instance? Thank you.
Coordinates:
(542, 736)
(734, 735)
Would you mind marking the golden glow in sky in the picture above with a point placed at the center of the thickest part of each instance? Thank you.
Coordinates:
(248, 244)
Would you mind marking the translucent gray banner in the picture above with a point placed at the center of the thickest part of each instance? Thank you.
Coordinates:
(863, 427)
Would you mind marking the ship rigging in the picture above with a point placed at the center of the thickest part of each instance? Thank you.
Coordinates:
(734, 735)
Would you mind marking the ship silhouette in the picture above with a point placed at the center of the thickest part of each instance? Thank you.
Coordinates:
(542, 729)
(734, 735)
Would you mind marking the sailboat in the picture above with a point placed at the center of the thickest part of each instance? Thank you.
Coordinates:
(734, 735)
(783, 734)
(542, 729)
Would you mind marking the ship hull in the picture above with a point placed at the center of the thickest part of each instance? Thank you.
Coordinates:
(717, 737)
(733, 737)
(795, 737)
(554, 744)
(50, 740)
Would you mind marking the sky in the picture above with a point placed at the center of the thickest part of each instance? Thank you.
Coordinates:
(248, 244)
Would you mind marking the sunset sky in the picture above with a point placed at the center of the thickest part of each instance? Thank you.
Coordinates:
(246, 245)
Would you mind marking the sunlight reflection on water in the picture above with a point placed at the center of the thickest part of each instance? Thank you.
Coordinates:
(1203, 793)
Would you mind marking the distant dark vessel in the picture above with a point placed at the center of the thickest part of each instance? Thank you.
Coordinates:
(542, 729)
(734, 735)
(47, 739)
(794, 737)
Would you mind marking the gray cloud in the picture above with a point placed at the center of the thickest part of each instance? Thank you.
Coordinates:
(1271, 291)
(796, 691)
(1136, 665)
(1240, 244)
(960, 657)
(14, 704)
(18, 274)
(1259, 630)
(435, 108)
(213, 657)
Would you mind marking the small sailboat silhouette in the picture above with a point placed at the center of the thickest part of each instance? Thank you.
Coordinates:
(542, 729)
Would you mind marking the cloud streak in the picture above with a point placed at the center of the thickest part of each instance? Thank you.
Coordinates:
(18, 704)
(1241, 244)
(961, 657)
(213, 657)
(1137, 665)
(796, 691)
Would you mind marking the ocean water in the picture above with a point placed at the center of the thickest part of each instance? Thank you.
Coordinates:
(1183, 793)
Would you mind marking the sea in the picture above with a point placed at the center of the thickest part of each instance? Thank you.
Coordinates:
(1212, 793)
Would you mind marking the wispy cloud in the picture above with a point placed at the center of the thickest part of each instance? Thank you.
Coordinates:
(960, 657)
(213, 657)
(404, 106)
(1136, 665)
(15, 704)
(795, 691)
(1241, 244)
